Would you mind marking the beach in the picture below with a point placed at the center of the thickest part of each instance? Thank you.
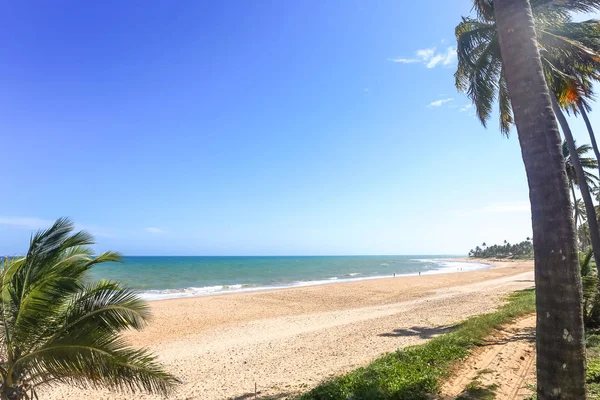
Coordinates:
(288, 340)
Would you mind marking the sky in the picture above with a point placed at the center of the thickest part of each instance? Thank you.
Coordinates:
(250, 128)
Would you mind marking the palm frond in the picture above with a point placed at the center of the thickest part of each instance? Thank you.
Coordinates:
(484, 9)
(57, 328)
(104, 364)
(104, 306)
(570, 55)
(478, 65)
(504, 105)
(585, 263)
(568, 6)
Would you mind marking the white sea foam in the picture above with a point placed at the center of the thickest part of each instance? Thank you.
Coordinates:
(444, 266)
(206, 289)
(437, 266)
(194, 291)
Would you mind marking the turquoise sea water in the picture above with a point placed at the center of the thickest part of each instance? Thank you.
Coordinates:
(169, 277)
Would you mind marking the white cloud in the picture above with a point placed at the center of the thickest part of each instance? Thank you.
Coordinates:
(426, 54)
(35, 224)
(430, 57)
(450, 56)
(445, 59)
(438, 103)
(496, 208)
(95, 230)
(26, 222)
(435, 60)
(406, 60)
(465, 108)
(154, 230)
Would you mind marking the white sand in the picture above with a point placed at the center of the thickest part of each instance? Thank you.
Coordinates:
(289, 340)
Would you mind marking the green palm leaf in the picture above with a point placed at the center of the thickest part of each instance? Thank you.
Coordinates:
(570, 56)
(55, 328)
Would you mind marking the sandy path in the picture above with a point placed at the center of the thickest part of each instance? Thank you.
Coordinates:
(291, 339)
(506, 360)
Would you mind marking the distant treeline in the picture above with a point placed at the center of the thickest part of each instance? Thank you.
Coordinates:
(507, 250)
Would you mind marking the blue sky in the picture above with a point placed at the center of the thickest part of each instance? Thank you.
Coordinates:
(243, 128)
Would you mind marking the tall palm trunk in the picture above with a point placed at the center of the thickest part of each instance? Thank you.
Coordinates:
(576, 216)
(559, 336)
(591, 133)
(583, 186)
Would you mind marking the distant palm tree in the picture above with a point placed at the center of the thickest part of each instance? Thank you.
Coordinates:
(57, 328)
(583, 237)
(579, 208)
(587, 163)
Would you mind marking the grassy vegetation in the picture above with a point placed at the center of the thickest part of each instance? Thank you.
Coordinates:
(416, 372)
(593, 365)
(477, 392)
(593, 371)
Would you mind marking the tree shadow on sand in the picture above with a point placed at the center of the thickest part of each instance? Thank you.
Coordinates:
(420, 331)
(259, 396)
(478, 393)
(525, 334)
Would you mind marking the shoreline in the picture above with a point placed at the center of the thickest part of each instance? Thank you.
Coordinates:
(176, 317)
(217, 290)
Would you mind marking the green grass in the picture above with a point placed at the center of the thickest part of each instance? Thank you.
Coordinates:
(416, 372)
(533, 388)
(477, 392)
(593, 366)
(593, 363)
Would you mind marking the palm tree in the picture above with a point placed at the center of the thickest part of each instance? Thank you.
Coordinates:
(559, 335)
(579, 212)
(584, 189)
(570, 58)
(55, 327)
(589, 280)
(573, 85)
(583, 108)
(587, 163)
(583, 236)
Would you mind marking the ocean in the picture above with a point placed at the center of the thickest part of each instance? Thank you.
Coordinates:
(158, 278)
